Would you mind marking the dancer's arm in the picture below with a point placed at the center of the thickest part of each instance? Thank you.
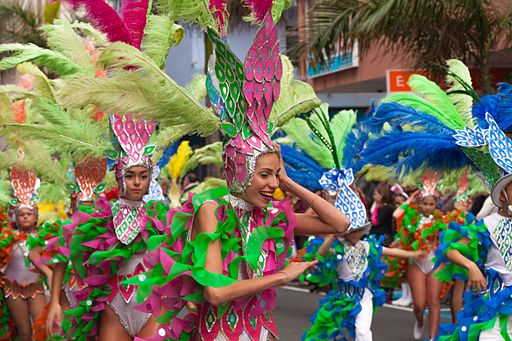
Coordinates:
(328, 219)
(476, 279)
(325, 248)
(35, 257)
(206, 222)
(55, 314)
(395, 252)
(399, 212)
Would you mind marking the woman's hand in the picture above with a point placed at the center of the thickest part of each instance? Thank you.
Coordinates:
(283, 177)
(420, 255)
(295, 269)
(475, 279)
(54, 318)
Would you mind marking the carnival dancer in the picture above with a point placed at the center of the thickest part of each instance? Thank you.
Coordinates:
(238, 238)
(106, 243)
(480, 251)
(421, 225)
(353, 267)
(23, 280)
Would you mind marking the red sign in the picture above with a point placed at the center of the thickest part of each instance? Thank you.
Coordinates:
(396, 80)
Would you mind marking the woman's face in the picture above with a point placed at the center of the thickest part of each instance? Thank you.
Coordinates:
(26, 219)
(136, 179)
(377, 197)
(265, 181)
(427, 205)
(399, 200)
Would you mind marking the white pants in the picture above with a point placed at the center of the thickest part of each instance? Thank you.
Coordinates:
(364, 318)
(494, 334)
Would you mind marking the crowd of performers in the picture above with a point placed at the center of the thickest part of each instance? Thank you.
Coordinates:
(107, 234)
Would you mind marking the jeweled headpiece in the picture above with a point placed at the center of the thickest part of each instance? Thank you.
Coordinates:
(500, 149)
(89, 176)
(243, 95)
(429, 183)
(131, 138)
(25, 187)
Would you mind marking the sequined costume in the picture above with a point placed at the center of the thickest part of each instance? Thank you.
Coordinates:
(254, 243)
(354, 270)
(485, 316)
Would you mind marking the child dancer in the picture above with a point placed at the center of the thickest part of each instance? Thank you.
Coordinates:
(23, 282)
(421, 225)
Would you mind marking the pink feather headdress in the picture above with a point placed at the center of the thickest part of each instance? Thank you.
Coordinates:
(243, 95)
(132, 137)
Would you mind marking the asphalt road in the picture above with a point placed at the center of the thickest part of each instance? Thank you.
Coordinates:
(295, 308)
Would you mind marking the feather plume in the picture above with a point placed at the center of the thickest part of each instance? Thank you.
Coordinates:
(301, 168)
(53, 192)
(61, 37)
(298, 130)
(209, 184)
(145, 89)
(197, 87)
(178, 160)
(105, 18)
(295, 97)
(259, 8)
(191, 11)
(341, 124)
(160, 34)
(458, 73)
(408, 151)
(433, 93)
(211, 154)
(41, 83)
(397, 114)
(167, 154)
(54, 61)
(134, 13)
(355, 142)
(167, 137)
(89, 31)
(499, 106)
(10, 89)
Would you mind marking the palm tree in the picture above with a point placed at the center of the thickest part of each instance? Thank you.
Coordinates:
(428, 31)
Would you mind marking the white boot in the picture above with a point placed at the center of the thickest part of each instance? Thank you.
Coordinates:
(406, 296)
(398, 301)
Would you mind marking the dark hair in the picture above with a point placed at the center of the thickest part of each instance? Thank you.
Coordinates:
(385, 192)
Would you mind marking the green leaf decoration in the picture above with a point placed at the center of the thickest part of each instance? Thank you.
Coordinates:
(112, 154)
(229, 129)
(73, 187)
(100, 188)
(149, 150)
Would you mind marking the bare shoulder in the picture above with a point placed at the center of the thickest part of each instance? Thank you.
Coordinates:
(205, 220)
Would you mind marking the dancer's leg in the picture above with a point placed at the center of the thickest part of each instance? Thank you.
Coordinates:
(434, 287)
(36, 306)
(149, 330)
(456, 299)
(417, 283)
(20, 313)
(111, 328)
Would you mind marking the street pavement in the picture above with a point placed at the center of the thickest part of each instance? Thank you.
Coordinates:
(294, 308)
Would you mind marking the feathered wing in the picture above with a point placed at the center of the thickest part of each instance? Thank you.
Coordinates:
(145, 89)
(458, 73)
(160, 34)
